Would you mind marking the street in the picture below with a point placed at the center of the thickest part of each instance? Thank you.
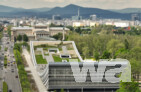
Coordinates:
(10, 73)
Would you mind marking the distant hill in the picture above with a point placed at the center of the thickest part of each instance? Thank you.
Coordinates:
(66, 12)
(127, 10)
(85, 12)
(45, 9)
(9, 9)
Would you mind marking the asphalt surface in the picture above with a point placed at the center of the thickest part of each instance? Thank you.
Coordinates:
(9, 74)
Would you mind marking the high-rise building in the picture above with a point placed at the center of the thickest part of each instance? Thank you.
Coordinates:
(93, 17)
(78, 17)
(135, 17)
(56, 17)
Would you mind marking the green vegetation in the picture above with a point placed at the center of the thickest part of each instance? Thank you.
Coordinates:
(1, 35)
(18, 46)
(22, 73)
(22, 38)
(53, 25)
(9, 31)
(1, 31)
(6, 49)
(5, 61)
(58, 36)
(82, 30)
(40, 60)
(57, 58)
(5, 87)
(106, 42)
(25, 38)
(77, 60)
(19, 38)
(26, 45)
(129, 87)
(62, 90)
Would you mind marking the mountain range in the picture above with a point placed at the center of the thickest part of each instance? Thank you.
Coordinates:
(127, 10)
(66, 12)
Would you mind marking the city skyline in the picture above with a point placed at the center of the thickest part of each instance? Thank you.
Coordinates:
(103, 4)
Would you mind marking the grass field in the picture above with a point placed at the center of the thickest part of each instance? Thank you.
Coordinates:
(5, 87)
(40, 60)
(57, 59)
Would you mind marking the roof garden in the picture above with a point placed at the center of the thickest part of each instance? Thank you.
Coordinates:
(55, 52)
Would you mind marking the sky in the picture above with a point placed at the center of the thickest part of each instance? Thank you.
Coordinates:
(103, 4)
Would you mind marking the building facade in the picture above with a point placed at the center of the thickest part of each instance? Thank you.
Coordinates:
(37, 32)
(60, 76)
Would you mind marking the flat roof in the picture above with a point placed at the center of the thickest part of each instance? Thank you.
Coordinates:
(22, 28)
(58, 28)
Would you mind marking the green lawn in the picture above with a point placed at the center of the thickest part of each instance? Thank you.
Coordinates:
(40, 60)
(5, 61)
(74, 60)
(6, 49)
(5, 87)
(57, 59)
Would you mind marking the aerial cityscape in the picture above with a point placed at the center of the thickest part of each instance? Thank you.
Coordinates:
(70, 46)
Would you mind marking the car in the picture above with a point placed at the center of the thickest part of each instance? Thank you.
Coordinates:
(12, 70)
(16, 76)
(10, 90)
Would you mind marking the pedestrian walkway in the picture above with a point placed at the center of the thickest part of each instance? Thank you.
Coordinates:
(49, 58)
(34, 73)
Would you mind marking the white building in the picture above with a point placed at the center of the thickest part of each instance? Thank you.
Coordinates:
(93, 17)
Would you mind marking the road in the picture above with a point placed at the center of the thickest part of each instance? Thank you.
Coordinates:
(9, 74)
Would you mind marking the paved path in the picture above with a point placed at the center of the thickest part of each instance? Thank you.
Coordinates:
(34, 73)
(49, 58)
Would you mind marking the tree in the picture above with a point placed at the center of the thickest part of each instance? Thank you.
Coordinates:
(129, 87)
(19, 38)
(114, 45)
(58, 36)
(135, 68)
(136, 53)
(17, 47)
(96, 56)
(25, 38)
(106, 55)
(85, 51)
(78, 30)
